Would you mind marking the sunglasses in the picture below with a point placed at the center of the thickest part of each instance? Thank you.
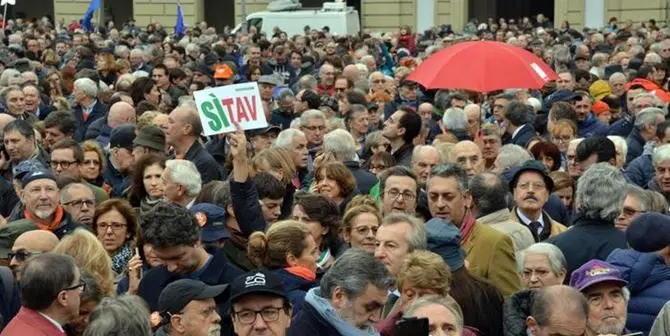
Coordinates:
(22, 255)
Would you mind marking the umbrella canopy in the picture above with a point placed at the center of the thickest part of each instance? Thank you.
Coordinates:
(483, 66)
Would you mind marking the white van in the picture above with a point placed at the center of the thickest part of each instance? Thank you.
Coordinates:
(341, 20)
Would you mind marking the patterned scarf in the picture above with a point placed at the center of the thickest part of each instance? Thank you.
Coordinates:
(121, 257)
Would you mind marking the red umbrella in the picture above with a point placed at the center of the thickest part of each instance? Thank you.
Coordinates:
(483, 66)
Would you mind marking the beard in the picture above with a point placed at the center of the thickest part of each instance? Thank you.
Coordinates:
(608, 328)
(44, 214)
(214, 331)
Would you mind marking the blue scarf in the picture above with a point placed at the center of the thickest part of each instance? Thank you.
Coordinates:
(328, 313)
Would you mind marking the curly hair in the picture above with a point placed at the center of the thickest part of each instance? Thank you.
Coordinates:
(169, 225)
(137, 191)
(321, 209)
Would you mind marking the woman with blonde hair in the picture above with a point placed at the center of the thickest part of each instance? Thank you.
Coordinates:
(359, 226)
(90, 254)
(288, 250)
(276, 162)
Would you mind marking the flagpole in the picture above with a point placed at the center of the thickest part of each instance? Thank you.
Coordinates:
(4, 17)
(102, 5)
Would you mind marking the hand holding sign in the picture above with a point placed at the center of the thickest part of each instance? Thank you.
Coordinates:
(221, 107)
(238, 143)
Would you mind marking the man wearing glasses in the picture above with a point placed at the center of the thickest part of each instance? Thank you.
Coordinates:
(260, 305)
(51, 287)
(30, 244)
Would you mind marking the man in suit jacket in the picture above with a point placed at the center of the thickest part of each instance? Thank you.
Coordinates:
(88, 109)
(489, 252)
(519, 119)
(50, 291)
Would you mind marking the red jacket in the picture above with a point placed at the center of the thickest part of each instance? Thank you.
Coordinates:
(29, 322)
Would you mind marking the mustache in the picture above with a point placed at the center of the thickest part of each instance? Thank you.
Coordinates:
(533, 197)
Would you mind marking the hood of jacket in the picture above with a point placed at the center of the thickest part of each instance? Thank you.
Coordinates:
(589, 122)
(516, 310)
(641, 270)
(443, 238)
(293, 282)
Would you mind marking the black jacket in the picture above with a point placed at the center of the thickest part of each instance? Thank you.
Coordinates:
(515, 312)
(308, 321)
(524, 135)
(588, 239)
(8, 198)
(218, 272)
(364, 179)
(403, 156)
(246, 207)
(635, 144)
(208, 167)
(95, 129)
(99, 111)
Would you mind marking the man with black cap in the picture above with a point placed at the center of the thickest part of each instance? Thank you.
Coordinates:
(188, 308)
(43, 210)
(262, 138)
(121, 160)
(150, 139)
(531, 186)
(259, 293)
(202, 73)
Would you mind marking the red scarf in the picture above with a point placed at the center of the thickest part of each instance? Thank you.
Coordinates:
(467, 226)
(45, 224)
(302, 272)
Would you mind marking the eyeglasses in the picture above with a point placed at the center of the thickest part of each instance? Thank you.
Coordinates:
(102, 227)
(340, 89)
(315, 128)
(81, 286)
(63, 164)
(89, 203)
(268, 314)
(535, 185)
(364, 230)
(22, 255)
(394, 194)
(630, 212)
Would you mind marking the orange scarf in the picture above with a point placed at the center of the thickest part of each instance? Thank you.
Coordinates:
(302, 272)
(45, 224)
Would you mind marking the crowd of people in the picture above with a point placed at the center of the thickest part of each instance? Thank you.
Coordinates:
(369, 205)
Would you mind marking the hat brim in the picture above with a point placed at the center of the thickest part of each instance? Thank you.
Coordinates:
(208, 235)
(147, 144)
(253, 290)
(547, 179)
(210, 292)
(588, 284)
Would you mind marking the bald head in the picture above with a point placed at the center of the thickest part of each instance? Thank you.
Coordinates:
(121, 113)
(425, 110)
(424, 158)
(5, 118)
(467, 154)
(351, 72)
(559, 308)
(31, 242)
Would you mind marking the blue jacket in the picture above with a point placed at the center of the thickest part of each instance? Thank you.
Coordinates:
(217, 272)
(640, 171)
(309, 322)
(364, 179)
(591, 127)
(649, 283)
(99, 111)
(622, 127)
(296, 288)
(635, 144)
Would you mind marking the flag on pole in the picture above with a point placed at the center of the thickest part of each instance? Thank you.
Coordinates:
(86, 21)
(179, 26)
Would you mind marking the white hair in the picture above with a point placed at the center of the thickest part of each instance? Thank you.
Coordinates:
(120, 50)
(362, 68)
(535, 103)
(552, 252)
(511, 156)
(599, 191)
(341, 143)
(87, 86)
(137, 52)
(285, 137)
(620, 146)
(185, 173)
(454, 118)
(311, 114)
(140, 74)
(648, 116)
(661, 154)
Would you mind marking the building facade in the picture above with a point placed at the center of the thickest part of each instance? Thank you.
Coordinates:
(376, 15)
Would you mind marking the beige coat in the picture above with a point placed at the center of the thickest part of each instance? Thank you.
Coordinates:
(502, 221)
(556, 227)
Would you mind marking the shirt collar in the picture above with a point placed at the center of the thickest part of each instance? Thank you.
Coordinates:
(60, 328)
(525, 220)
(517, 130)
(90, 108)
(190, 204)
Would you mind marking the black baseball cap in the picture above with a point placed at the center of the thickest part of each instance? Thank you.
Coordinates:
(259, 281)
(178, 294)
(122, 137)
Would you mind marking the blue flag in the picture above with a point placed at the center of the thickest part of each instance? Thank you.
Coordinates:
(86, 21)
(179, 26)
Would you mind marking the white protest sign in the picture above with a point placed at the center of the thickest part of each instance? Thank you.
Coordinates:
(221, 107)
